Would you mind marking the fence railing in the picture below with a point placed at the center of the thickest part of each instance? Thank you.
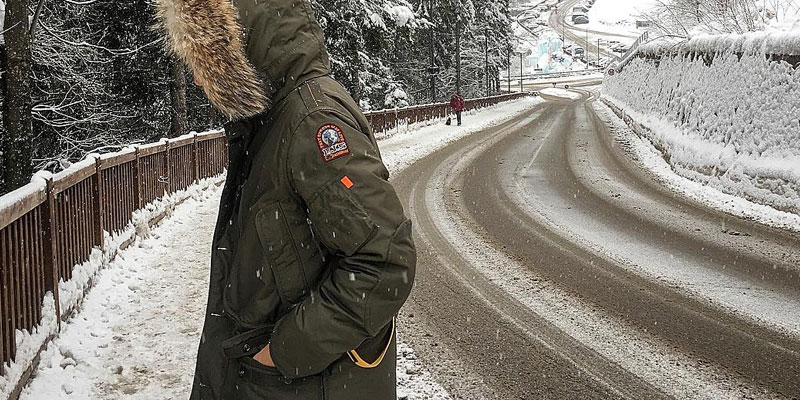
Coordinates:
(46, 228)
(385, 120)
(53, 224)
(644, 38)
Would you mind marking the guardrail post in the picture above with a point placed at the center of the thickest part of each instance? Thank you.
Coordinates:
(137, 180)
(97, 190)
(195, 162)
(50, 255)
(167, 177)
(396, 120)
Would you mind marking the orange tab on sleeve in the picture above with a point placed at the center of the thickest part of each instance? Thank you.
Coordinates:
(347, 182)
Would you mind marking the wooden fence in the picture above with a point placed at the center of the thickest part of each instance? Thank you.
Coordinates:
(49, 228)
(386, 120)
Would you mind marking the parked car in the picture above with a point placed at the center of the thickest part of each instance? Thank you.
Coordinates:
(619, 48)
(580, 19)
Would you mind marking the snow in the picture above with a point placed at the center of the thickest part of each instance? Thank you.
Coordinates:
(763, 42)
(547, 55)
(731, 126)
(403, 146)
(546, 52)
(638, 352)
(618, 17)
(36, 186)
(28, 345)
(139, 326)
(402, 15)
(397, 98)
(562, 93)
(134, 334)
(759, 304)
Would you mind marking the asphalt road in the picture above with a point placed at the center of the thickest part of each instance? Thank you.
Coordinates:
(551, 192)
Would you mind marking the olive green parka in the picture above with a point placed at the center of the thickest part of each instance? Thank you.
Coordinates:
(312, 252)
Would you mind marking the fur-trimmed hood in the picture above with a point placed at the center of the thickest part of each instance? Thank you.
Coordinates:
(245, 53)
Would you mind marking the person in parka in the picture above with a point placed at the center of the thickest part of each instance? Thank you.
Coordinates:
(457, 104)
(312, 255)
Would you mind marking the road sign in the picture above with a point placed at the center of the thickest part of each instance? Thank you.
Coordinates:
(611, 71)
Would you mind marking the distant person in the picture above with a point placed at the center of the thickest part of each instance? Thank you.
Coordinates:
(457, 104)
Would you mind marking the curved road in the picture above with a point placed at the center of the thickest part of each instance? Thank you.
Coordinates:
(551, 267)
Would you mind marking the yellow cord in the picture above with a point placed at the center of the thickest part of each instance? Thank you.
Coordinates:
(363, 364)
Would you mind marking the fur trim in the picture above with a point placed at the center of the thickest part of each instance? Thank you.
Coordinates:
(206, 35)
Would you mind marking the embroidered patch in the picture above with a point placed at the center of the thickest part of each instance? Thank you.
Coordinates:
(331, 142)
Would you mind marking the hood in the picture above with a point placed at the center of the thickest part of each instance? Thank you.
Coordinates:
(245, 53)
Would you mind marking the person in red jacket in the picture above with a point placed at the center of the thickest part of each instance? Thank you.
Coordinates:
(457, 104)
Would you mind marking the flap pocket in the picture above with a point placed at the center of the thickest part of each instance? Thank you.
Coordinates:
(248, 343)
(339, 220)
(284, 259)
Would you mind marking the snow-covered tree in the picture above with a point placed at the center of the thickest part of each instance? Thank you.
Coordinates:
(362, 39)
(684, 18)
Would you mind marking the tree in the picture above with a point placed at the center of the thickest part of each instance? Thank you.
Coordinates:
(177, 91)
(17, 143)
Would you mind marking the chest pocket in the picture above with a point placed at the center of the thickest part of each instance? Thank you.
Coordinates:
(282, 253)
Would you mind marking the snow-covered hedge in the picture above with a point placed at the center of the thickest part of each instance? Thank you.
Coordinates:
(733, 123)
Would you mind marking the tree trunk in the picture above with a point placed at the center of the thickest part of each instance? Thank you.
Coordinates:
(17, 145)
(177, 91)
(458, 57)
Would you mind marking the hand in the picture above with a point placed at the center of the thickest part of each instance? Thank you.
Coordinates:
(264, 357)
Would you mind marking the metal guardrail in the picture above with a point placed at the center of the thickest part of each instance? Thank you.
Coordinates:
(618, 65)
(50, 227)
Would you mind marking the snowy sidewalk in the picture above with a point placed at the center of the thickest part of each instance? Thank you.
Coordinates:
(136, 335)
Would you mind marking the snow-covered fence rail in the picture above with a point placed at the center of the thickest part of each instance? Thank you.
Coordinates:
(53, 224)
(724, 111)
(386, 120)
(632, 51)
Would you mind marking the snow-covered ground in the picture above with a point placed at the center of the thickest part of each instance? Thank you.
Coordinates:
(562, 93)
(405, 146)
(618, 17)
(137, 331)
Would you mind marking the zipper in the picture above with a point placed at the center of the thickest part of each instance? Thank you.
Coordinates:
(314, 237)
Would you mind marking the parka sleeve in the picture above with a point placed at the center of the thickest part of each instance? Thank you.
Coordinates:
(355, 213)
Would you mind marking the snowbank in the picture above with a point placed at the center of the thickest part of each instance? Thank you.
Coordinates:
(28, 345)
(617, 17)
(73, 292)
(562, 93)
(731, 123)
(752, 43)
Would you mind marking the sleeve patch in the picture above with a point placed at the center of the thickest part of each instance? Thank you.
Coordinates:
(347, 182)
(331, 142)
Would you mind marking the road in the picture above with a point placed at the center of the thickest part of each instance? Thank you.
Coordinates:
(577, 34)
(551, 267)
